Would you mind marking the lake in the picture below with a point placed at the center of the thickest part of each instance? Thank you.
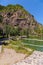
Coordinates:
(34, 44)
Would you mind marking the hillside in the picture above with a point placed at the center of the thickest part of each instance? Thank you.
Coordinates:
(18, 21)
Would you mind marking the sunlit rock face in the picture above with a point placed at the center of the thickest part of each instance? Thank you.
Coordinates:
(18, 16)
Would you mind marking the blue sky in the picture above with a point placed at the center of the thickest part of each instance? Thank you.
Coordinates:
(35, 7)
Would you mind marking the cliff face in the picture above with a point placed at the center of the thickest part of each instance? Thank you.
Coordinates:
(18, 16)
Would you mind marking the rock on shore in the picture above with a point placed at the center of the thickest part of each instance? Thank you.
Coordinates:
(35, 59)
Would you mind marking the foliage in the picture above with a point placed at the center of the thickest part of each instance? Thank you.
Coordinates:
(12, 8)
(1, 7)
(9, 30)
(14, 31)
(1, 18)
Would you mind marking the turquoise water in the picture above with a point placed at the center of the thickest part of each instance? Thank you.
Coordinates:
(35, 48)
(34, 44)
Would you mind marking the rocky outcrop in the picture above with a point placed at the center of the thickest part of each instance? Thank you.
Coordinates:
(22, 19)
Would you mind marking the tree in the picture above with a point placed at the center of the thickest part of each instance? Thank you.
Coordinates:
(14, 31)
(1, 31)
(11, 31)
(1, 18)
(1, 7)
(7, 29)
(25, 32)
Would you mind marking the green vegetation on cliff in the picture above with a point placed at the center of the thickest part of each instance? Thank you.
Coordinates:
(15, 20)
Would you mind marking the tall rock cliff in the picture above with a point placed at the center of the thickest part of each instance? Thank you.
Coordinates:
(17, 16)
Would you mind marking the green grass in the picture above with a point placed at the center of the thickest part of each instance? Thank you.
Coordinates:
(16, 45)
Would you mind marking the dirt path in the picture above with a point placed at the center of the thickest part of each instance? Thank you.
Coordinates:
(9, 57)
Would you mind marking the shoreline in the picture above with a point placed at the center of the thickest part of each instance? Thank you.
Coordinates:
(10, 57)
(34, 59)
